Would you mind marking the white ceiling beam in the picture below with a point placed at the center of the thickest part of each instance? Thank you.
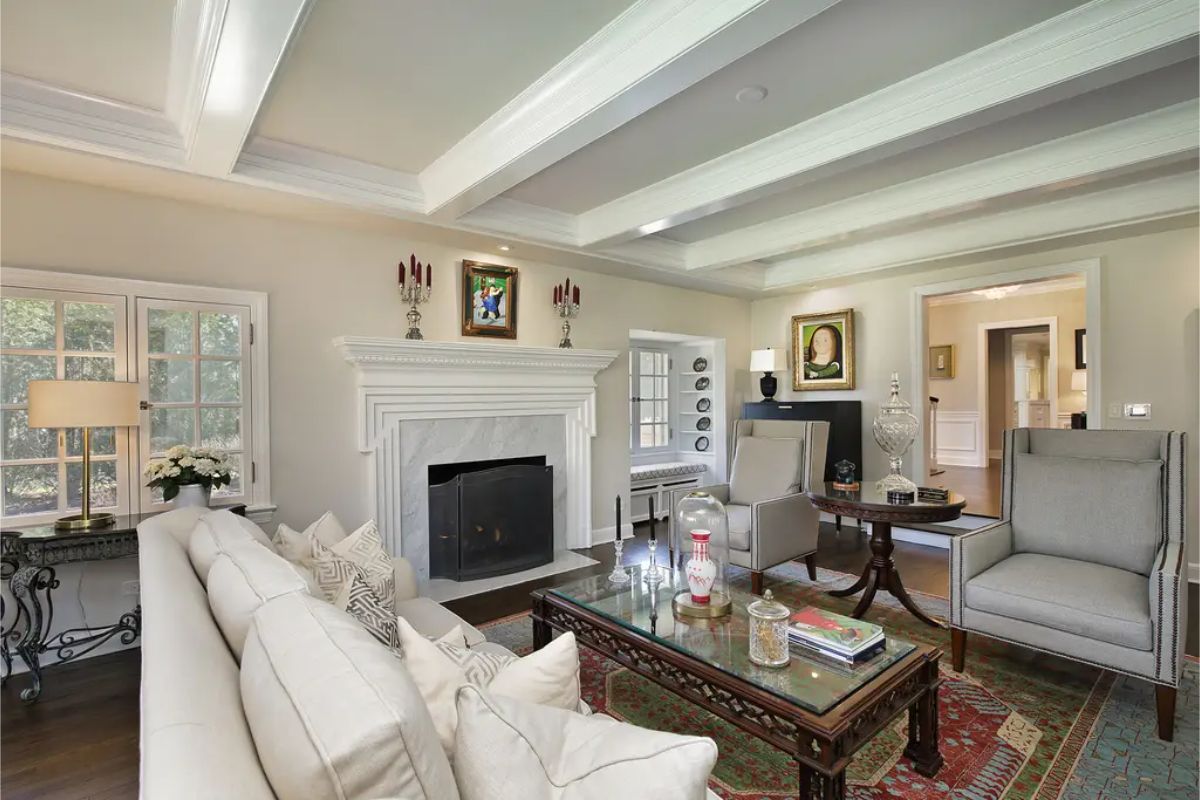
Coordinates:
(195, 34)
(652, 51)
(251, 43)
(1153, 137)
(1150, 200)
(1100, 34)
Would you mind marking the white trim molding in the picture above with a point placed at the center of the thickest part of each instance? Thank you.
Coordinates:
(401, 379)
(960, 439)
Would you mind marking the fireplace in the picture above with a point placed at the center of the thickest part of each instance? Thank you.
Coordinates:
(489, 518)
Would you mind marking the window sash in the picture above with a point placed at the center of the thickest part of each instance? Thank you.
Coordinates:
(650, 401)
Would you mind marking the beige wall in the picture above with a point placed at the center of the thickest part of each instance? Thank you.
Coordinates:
(1150, 331)
(327, 281)
(958, 324)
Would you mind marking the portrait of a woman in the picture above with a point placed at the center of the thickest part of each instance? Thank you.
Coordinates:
(823, 358)
(823, 350)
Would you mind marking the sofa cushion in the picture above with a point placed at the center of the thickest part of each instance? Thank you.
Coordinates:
(360, 553)
(739, 526)
(242, 578)
(549, 676)
(510, 748)
(333, 712)
(1099, 602)
(433, 620)
(297, 545)
(763, 469)
(1094, 509)
(214, 532)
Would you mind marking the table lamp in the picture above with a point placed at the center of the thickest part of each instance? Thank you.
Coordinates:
(86, 405)
(768, 361)
(1079, 381)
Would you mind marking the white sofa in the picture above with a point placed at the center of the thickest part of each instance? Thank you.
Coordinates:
(195, 739)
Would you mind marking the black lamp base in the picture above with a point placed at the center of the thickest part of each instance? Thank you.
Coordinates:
(768, 386)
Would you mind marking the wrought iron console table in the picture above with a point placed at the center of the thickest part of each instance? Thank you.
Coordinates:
(28, 557)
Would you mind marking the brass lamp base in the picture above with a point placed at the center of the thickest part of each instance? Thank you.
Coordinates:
(78, 522)
(719, 604)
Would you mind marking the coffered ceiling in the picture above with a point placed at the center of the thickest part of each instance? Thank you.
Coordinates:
(739, 145)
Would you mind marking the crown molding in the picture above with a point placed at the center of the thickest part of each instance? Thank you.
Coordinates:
(39, 112)
(1074, 44)
(650, 52)
(1143, 202)
(1153, 137)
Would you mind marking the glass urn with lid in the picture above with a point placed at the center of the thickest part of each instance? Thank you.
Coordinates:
(768, 632)
(702, 556)
(895, 430)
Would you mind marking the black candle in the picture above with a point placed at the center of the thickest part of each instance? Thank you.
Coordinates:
(618, 518)
(651, 499)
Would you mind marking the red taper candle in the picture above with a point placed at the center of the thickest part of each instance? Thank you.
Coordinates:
(401, 271)
(428, 276)
(575, 299)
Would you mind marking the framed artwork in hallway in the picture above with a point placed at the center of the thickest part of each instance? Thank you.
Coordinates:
(489, 300)
(823, 350)
(941, 361)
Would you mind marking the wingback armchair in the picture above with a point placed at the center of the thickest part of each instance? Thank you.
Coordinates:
(1087, 560)
(771, 521)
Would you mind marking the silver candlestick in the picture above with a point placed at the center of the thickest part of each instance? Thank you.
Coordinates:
(414, 295)
(566, 309)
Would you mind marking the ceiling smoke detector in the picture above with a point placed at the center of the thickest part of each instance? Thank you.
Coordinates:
(751, 94)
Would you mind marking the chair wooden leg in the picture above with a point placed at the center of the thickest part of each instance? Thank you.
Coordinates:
(958, 649)
(810, 561)
(756, 582)
(1165, 699)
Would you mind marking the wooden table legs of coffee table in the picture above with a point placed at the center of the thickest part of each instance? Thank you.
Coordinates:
(881, 573)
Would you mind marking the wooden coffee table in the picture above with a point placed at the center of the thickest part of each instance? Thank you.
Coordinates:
(880, 572)
(817, 711)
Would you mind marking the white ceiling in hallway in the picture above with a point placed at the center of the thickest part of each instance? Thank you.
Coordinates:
(889, 134)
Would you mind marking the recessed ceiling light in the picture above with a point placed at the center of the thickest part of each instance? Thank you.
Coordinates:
(751, 94)
(503, 247)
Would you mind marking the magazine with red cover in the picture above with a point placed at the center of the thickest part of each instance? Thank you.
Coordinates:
(834, 631)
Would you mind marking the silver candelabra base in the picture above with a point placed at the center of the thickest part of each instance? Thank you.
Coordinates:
(414, 296)
(566, 311)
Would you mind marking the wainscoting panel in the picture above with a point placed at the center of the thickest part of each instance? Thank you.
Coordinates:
(960, 439)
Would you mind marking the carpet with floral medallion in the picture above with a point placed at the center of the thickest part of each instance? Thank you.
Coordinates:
(1016, 725)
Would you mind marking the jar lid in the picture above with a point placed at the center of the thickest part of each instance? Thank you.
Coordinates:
(768, 607)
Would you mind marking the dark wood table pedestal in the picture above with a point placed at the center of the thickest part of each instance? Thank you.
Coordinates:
(881, 573)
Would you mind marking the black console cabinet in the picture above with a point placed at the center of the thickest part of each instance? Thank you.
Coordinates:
(845, 426)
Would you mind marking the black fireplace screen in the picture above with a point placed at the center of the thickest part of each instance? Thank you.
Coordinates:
(490, 518)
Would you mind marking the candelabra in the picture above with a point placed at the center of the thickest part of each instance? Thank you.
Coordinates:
(566, 305)
(415, 289)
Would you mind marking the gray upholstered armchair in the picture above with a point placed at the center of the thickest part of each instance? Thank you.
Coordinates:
(771, 521)
(1088, 558)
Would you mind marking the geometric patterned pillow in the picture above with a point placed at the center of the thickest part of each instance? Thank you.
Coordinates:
(360, 552)
(480, 666)
(360, 601)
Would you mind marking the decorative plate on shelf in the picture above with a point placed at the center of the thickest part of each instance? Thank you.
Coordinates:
(703, 424)
(703, 404)
(700, 364)
(702, 443)
(702, 383)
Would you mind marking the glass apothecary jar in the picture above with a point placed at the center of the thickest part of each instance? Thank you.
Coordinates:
(702, 556)
(768, 632)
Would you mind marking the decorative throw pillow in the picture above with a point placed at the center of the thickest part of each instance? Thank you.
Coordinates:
(549, 676)
(509, 748)
(360, 601)
(361, 551)
(296, 545)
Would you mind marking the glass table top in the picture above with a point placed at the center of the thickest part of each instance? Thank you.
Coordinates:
(811, 681)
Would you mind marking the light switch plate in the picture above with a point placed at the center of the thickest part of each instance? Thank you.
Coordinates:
(1137, 411)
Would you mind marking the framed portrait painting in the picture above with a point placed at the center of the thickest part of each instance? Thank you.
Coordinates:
(941, 361)
(489, 300)
(823, 351)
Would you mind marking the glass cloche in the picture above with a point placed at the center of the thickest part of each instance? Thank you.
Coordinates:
(702, 556)
(895, 431)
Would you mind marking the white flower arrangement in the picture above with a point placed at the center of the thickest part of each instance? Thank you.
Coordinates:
(185, 466)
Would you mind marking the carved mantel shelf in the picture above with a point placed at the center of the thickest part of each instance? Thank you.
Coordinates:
(367, 352)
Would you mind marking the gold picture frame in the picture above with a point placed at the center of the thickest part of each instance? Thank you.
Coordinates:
(941, 361)
(827, 363)
(489, 296)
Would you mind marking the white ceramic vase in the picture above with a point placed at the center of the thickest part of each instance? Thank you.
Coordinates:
(193, 494)
(701, 570)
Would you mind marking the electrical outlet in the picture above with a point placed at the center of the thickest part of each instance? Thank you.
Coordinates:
(131, 588)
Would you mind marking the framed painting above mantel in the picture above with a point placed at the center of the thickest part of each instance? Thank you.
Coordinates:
(489, 300)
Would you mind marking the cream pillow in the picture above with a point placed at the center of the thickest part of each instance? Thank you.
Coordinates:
(333, 713)
(296, 546)
(242, 578)
(763, 469)
(508, 748)
(216, 531)
(360, 553)
(549, 676)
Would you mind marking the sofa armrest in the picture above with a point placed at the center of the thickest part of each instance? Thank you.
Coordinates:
(406, 579)
(1168, 611)
(972, 553)
(782, 529)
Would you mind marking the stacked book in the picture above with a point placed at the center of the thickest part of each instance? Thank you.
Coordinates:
(843, 639)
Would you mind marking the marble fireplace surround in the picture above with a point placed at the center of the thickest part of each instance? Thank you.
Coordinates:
(422, 403)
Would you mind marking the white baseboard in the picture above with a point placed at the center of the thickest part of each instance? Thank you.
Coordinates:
(995, 455)
(939, 540)
(1193, 572)
(608, 534)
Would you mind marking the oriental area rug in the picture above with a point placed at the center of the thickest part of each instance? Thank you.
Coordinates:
(1017, 725)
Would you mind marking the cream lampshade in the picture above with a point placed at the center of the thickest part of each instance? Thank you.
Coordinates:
(768, 361)
(86, 405)
(1079, 380)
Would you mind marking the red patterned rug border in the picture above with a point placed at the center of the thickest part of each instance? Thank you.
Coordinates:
(491, 623)
(1063, 766)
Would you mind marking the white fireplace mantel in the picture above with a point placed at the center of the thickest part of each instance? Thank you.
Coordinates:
(402, 379)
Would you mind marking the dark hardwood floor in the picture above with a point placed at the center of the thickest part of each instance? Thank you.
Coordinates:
(980, 485)
(80, 740)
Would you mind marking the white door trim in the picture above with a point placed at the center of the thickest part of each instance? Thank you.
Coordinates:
(981, 370)
(1089, 268)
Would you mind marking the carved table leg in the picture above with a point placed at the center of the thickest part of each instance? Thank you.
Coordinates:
(8, 568)
(542, 632)
(815, 786)
(923, 732)
(881, 573)
(26, 584)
